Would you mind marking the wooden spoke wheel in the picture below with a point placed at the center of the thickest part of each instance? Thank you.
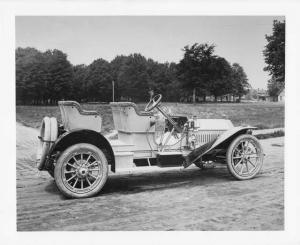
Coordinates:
(244, 157)
(81, 171)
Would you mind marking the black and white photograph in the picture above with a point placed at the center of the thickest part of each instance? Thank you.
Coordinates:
(162, 123)
(138, 122)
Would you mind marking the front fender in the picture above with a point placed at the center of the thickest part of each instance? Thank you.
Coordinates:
(221, 141)
(229, 135)
(83, 136)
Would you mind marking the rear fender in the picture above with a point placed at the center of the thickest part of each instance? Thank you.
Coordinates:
(83, 136)
(221, 142)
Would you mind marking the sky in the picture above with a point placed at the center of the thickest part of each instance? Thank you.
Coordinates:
(239, 39)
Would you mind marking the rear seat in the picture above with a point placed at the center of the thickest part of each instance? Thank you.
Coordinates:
(74, 117)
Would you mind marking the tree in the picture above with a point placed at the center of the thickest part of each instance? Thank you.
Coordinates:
(42, 77)
(239, 81)
(60, 76)
(160, 77)
(203, 72)
(135, 72)
(274, 87)
(133, 78)
(99, 81)
(79, 87)
(274, 53)
(172, 87)
(193, 69)
(117, 66)
(30, 75)
(219, 77)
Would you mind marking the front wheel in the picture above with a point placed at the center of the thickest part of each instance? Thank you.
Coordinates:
(244, 157)
(81, 171)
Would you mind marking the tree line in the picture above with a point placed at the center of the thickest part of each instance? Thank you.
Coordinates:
(45, 77)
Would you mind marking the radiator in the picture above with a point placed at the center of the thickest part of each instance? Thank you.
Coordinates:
(204, 136)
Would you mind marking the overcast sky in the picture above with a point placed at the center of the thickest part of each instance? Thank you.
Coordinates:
(84, 39)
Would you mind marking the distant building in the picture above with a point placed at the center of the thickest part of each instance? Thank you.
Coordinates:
(281, 95)
(262, 95)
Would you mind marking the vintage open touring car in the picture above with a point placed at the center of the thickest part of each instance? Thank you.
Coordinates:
(79, 157)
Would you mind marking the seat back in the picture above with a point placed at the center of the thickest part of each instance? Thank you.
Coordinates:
(74, 117)
(127, 118)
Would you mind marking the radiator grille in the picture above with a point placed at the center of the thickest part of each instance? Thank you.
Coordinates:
(202, 137)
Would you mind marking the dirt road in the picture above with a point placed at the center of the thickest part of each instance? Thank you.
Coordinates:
(189, 199)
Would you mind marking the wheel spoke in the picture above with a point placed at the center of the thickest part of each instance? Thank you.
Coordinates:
(71, 165)
(75, 160)
(93, 176)
(69, 172)
(246, 148)
(253, 157)
(92, 164)
(75, 183)
(238, 162)
(94, 169)
(71, 177)
(248, 160)
(87, 179)
(241, 170)
(239, 157)
(81, 180)
(247, 168)
(87, 160)
(239, 152)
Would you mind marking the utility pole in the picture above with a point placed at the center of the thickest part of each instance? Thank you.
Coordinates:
(113, 90)
(194, 96)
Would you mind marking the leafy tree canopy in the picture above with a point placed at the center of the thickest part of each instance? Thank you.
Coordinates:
(274, 53)
(46, 77)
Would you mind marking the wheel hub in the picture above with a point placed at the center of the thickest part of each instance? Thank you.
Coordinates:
(82, 172)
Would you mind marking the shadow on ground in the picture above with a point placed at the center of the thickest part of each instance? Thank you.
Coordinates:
(157, 181)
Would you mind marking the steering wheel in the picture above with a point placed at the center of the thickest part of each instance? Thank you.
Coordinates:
(153, 102)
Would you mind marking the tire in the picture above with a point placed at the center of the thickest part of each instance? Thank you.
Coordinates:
(240, 155)
(74, 171)
(48, 135)
(54, 130)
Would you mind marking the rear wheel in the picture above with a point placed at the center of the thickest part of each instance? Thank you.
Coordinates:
(244, 157)
(81, 171)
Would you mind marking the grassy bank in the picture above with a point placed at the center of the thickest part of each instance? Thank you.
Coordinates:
(262, 115)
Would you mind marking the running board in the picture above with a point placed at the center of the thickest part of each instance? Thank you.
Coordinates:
(146, 169)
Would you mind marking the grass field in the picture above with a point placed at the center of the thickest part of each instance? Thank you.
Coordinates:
(261, 114)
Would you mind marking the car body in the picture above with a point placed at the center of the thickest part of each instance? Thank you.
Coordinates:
(79, 157)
